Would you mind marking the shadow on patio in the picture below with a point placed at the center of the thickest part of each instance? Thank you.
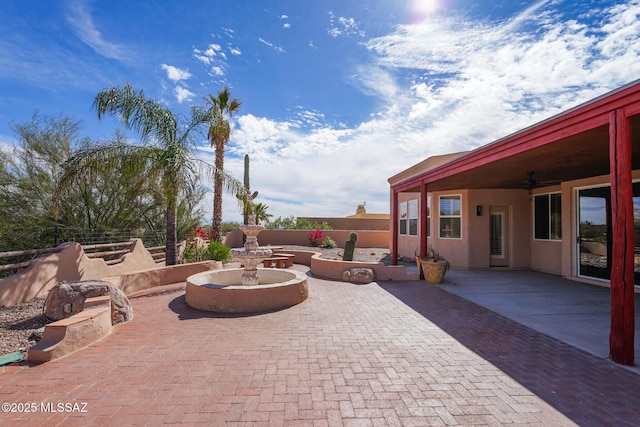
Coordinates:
(590, 390)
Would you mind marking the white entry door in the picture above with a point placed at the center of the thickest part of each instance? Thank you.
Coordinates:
(498, 242)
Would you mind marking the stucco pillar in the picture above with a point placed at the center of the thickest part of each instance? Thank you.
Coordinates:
(621, 337)
(394, 226)
(423, 220)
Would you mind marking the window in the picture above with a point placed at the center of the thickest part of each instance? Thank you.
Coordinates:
(413, 217)
(402, 215)
(547, 213)
(450, 217)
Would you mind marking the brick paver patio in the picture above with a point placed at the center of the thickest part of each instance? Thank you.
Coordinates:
(386, 354)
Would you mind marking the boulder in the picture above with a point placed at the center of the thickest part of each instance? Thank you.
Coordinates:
(67, 298)
(359, 275)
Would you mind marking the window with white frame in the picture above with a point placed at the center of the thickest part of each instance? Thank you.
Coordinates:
(450, 217)
(547, 216)
(402, 216)
(413, 217)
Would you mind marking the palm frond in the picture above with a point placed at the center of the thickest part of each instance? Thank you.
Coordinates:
(230, 183)
(139, 113)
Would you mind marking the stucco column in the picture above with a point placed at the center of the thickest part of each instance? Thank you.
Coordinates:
(394, 226)
(423, 220)
(621, 337)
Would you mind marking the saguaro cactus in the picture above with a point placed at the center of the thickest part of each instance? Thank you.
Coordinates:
(349, 247)
(247, 201)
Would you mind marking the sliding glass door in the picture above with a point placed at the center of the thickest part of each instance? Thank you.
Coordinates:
(595, 234)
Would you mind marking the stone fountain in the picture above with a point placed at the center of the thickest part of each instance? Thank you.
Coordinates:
(249, 289)
(252, 254)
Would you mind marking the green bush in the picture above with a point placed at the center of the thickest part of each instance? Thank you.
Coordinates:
(215, 250)
(218, 252)
(329, 243)
(192, 253)
(229, 226)
(293, 223)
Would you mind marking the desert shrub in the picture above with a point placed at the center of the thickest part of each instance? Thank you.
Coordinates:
(293, 223)
(218, 251)
(329, 243)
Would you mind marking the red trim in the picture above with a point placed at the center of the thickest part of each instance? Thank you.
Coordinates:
(423, 220)
(394, 227)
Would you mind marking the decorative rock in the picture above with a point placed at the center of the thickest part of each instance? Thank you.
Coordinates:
(67, 298)
(359, 276)
(37, 334)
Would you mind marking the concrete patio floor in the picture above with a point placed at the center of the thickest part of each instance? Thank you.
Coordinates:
(388, 353)
(578, 314)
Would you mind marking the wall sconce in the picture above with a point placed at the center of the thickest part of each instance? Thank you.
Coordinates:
(479, 210)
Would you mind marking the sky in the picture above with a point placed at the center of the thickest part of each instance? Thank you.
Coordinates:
(337, 96)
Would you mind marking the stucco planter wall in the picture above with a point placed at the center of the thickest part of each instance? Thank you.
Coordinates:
(333, 269)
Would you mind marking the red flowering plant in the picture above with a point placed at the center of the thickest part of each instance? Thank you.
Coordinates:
(315, 238)
(197, 244)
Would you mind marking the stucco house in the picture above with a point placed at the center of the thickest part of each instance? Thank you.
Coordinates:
(559, 197)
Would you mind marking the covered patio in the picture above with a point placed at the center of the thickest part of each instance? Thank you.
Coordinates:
(596, 144)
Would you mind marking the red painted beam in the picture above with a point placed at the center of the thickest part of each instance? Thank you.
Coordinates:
(423, 220)
(394, 227)
(621, 337)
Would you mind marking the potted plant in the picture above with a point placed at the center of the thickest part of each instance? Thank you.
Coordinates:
(434, 267)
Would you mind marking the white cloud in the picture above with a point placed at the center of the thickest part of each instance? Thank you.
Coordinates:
(7, 144)
(208, 55)
(443, 86)
(286, 25)
(478, 81)
(82, 22)
(271, 45)
(217, 71)
(175, 74)
(376, 81)
(214, 57)
(202, 58)
(341, 26)
(183, 94)
(213, 50)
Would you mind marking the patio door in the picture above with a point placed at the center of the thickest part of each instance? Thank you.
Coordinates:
(595, 233)
(498, 237)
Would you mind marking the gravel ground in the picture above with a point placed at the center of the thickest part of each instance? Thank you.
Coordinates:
(18, 323)
(359, 254)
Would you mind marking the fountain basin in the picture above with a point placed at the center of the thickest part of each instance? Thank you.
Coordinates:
(221, 291)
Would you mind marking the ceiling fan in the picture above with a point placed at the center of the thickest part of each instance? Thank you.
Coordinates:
(532, 182)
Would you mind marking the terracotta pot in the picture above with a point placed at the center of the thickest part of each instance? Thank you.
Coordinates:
(434, 271)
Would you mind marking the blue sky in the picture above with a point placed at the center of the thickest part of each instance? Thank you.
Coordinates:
(337, 96)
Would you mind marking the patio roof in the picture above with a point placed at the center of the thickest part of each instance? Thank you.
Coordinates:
(570, 145)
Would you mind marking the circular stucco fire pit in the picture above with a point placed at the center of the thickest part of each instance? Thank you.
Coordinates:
(221, 291)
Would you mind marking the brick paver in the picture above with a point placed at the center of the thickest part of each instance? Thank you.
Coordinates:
(372, 355)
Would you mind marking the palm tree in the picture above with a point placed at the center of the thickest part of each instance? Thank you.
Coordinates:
(260, 211)
(219, 132)
(166, 152)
